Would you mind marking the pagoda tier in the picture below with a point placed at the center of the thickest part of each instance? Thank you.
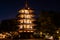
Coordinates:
(26, 30)
(25, 20)
(24, 26)
(26, 16)
(26, 10)
(19, 19)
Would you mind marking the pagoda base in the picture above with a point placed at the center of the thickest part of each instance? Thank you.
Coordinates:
(26, 35)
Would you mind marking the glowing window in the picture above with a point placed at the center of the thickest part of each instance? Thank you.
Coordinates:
(28, 26)
(24, 26)
(26, 11)
(28, 31)
(31, 27)
(28, 16)
(24, 31)
(21, 21)
(24, 20)
(21, 11)
(22, 16)
(21, 26)
(20, 31)
(31, 31)
(28, 21)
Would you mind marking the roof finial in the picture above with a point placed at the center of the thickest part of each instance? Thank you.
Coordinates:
(26, 5)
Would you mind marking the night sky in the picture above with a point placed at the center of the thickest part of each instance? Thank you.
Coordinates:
(9, 8)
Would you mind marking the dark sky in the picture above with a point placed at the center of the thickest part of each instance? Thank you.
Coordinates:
(8, 8)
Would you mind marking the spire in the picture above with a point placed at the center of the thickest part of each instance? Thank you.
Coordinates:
(26, 4)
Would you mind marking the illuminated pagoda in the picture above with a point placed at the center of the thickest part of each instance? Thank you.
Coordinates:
(25, 19)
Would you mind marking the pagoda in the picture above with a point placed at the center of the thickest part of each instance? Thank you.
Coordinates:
(25, 19)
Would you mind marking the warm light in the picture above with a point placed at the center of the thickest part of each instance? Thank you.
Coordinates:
(28, 8)
(20, 26)
(21, 21)
(30, 11)
(28, 31)
(24, 26)
(59, 37)
(46, 36)
(28, 16)
(21, 16)
(31, 16)
(57, 31)
(31, 27)
(21, 11)
(35, 33)
(28, 26)
(28, 21)
(2, 36)
(24, 20)
(40, 33)
(32, 24)
(31, 31)
(51, 37)
(20, 31)
(26, 11)
(24, 31)
(25, 16)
